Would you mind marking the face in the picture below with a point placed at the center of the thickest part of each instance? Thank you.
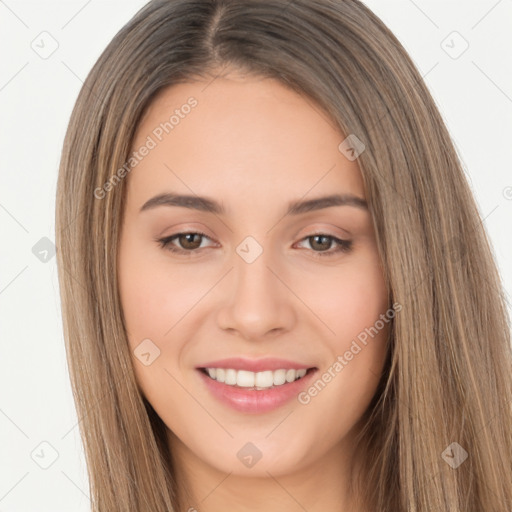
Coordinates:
(252, 275)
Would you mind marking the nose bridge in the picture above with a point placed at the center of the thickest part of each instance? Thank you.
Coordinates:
(255, 285)
(259, 302)
(253, 279)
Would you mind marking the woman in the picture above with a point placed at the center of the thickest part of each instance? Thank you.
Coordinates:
(276, 288)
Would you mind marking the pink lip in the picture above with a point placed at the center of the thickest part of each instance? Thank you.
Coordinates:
(255, 365)
(255, 401)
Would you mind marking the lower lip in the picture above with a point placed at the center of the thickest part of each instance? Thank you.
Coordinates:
(253, 400)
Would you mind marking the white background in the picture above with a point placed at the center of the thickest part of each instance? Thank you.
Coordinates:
(473, 92)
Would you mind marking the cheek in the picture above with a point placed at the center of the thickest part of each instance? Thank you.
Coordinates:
(157, 301)
(351, 303)
(153, 297)
(347, 299)
(153, 301)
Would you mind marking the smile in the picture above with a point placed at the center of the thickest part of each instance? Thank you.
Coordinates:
(255, 392)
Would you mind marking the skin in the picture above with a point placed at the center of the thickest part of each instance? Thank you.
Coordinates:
(253, 145)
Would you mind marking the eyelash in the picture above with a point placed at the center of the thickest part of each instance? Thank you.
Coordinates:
(344, 246)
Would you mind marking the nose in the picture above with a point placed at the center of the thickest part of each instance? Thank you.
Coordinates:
(258, 304)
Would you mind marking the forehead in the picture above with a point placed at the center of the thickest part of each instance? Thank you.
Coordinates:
(240, 136)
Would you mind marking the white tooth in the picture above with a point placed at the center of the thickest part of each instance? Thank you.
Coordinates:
(221, 375)
(230, 377)
(245, 379)
(290, 375)
(264, 379)
(279, 377)
(261, 380)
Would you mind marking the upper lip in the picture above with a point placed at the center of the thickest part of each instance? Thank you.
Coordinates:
(255, 365)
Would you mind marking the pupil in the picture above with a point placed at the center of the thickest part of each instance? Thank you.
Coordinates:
(325, 245)
(189, 243)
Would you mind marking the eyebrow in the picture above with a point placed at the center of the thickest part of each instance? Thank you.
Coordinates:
(205, 204)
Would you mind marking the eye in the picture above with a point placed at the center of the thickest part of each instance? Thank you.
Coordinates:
(189, 242)
(320, 243)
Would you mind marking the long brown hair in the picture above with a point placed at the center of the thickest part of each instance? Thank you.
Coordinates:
(448, 376)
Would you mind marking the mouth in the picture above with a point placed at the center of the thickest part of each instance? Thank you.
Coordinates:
(255, 392)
